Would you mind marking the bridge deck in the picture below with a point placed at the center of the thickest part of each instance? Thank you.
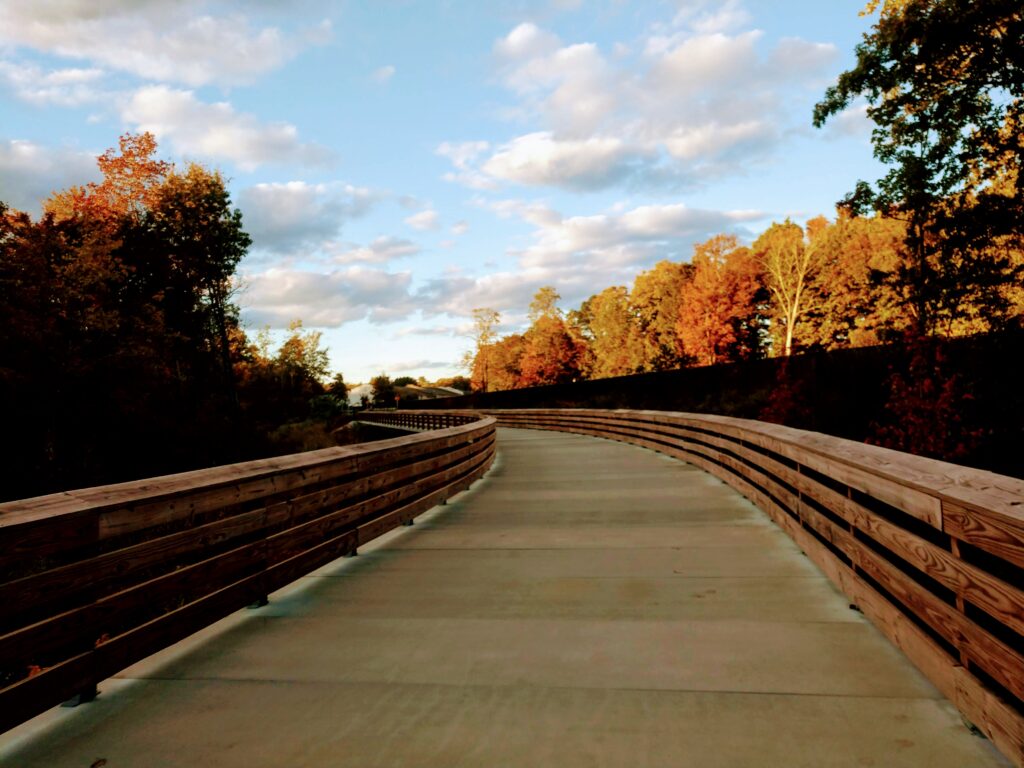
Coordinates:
(588, 603)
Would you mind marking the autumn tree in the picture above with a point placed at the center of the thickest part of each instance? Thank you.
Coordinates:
(655, 301)
(502, 359)
(131, 181)
(118, 324)
(718, 317)
(551, 353)
(854, 299)
(610, 328)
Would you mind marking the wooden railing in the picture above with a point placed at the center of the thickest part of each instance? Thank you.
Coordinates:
(93, 580)
(417, 420)
(932, 553)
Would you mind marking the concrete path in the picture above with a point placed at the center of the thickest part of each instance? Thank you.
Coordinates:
(587, 604)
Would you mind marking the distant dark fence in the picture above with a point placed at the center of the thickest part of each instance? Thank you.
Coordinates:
(95, 579)
(417, 421)
(931, 552)
(843, 392)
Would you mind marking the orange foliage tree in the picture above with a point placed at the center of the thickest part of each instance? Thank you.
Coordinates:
(132, 178)
(552, 354)
(718, 317)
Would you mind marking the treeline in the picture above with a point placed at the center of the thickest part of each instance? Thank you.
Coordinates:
(831, 285)
(852, 282)
(121, 353)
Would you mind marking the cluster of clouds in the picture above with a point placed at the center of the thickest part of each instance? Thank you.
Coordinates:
(145, 58)
(182, 41)
(578, 254)
(695, 99)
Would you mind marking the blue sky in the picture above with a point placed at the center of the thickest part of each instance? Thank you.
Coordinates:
(400, 163)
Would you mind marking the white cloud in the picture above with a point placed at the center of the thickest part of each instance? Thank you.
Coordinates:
(295, 217)
(70, 87)
(710, 16)
(171, 41)
(30, 172)
(423, 220)
(460, 228)
(526, 40)
(705, 98)
(540, 159)
(277, 296)
(411, 366)
(382, 250)
(463, 155)
(217, 130)
(384, 74)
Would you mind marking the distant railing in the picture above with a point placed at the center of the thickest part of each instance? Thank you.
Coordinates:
(417, 420)
(931, 552)
(93, 580)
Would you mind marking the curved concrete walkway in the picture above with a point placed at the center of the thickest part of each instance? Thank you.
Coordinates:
(587, 604)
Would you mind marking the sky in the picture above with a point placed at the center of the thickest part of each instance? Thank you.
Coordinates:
(399, 163)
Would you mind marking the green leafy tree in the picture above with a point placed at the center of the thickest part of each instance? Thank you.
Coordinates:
(383, 391)
(338, 389)
(944, 83)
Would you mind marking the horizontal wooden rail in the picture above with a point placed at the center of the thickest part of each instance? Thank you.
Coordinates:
(93, 580)
(931, 552)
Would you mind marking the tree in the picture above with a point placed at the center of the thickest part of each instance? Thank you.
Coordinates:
(854, 300)
(790, 264)
(612, 332)
(383, 391)
(544, 303)
(944, 83)
(130, 185)
(718, 316)
(338, 389)
(551, 354)
(301, 359)
(500, 363)
(485, 325)
(460, 383)
(655, 300)
(202, 240)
